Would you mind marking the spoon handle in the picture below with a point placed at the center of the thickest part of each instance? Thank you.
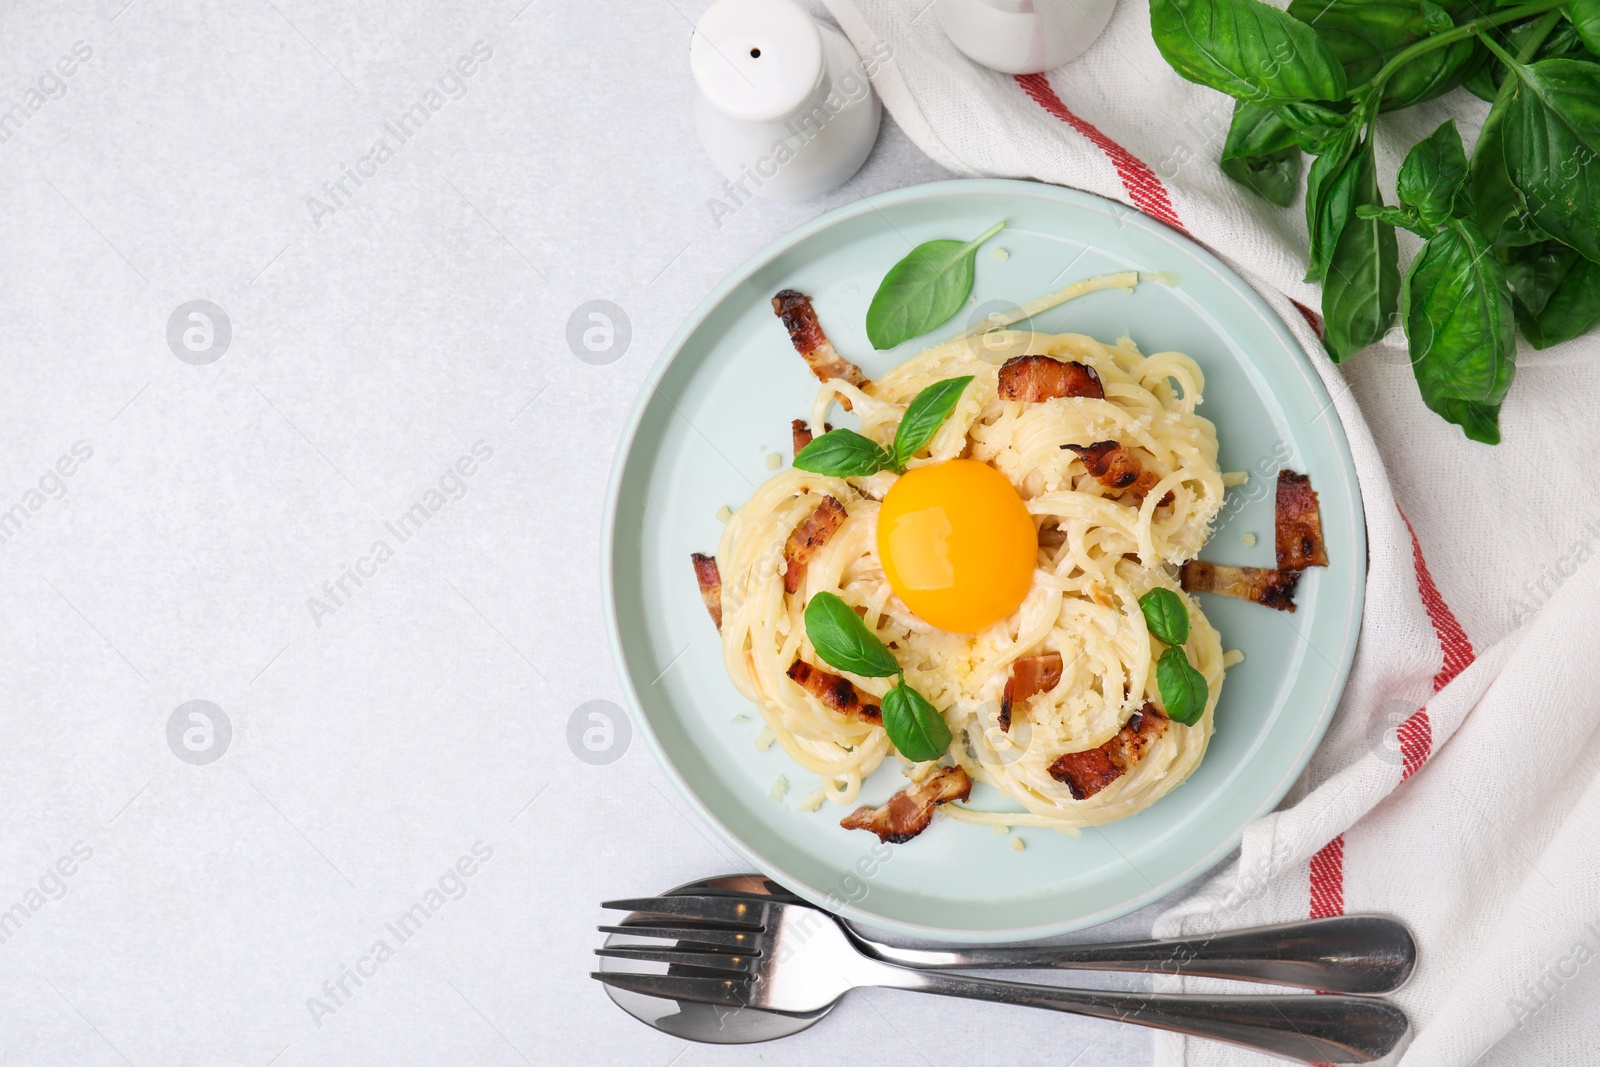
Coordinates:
(1327, 1029)
(1345, 954)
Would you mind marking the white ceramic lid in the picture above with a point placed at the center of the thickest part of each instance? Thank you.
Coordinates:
(756, 59)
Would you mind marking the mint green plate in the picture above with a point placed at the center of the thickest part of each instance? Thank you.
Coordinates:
(720, 399)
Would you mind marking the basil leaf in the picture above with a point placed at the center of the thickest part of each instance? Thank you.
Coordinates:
(1400, 217)
(1484, 81)
(1496, 204)
(1183, 689)
(914, 726)
(1261, 153)
(923, 290)
(924, 416)
(1246, 49)
(1534, 273)
(1460, 321)
(1165, 615)
(1552, 135)
(1330, 199)
(1565, 40)
(843, 640)
(1557, 294)
(1435, 18)
(842, 454)
(1434, 172)
(1362, 289)
(1365, 34)
(1585, 16)
(1316, 127)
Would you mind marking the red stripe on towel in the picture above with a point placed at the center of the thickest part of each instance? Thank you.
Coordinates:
(1416, 742)
(1327, 880)
(1416, 733)
(1452, 638)
(1144, 188)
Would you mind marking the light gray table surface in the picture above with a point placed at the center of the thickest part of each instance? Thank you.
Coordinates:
(179, 529)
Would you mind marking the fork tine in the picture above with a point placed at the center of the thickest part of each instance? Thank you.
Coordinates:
(726, 992)
(709, 961)
(735, 911)
(725, 937)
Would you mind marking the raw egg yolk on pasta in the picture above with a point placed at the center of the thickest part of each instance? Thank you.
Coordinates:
(957, 544)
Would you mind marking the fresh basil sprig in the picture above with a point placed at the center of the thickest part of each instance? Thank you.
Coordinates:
(915, 727)
(924, 416)
(1165, 615)
(1183, 689)
(847, 454)
(1239, 47)
(1552, 133)
(1511, 236)
(1433, 175)
(1262, 153)
(923, 290)
(843, 454)
(1362, 288)
(843, 640)
(1462, 328)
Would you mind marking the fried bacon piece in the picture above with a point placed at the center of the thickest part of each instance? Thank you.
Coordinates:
(710, 582)
(809, 536)
(1033, 379)
(805, 332)
(1116, 467)
(908, 812)
(1029, 675)
(1273, 588)
(800, 430)
(1298, 524)
(838, 693)
(1086, 773)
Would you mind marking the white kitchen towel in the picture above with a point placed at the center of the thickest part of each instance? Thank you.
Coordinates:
(1457, 785)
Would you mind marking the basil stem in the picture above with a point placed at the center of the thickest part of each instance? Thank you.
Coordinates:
(1374, 84)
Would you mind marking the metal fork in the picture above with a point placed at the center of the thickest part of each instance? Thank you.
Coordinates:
(750, 952)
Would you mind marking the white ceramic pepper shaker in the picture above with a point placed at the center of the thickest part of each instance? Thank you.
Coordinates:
(1024, 36)
(785, 110)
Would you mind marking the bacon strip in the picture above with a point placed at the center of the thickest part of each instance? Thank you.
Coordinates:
(1298, 524)
(805, 333)
(1034, 379)
(1030, 675)
(1086, 773)
(838, 693)
(800, 430)
(1273, 588)
(1116, 467)
(709, 579)
(908, 812)
(809, 536)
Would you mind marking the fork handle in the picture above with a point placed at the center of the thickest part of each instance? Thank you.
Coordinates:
(1342, 954)
(1333, 1029)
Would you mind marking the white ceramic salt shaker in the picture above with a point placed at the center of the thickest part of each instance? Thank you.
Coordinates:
(1024, 36)
(785, 110)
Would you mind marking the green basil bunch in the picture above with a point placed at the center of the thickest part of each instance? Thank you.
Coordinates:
(1511, 237)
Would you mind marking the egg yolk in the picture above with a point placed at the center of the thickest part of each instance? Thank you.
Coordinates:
(957, 544)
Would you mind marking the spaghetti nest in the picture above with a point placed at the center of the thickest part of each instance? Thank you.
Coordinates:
(1101, 547)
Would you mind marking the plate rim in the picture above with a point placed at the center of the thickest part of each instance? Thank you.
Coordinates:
(674, 347)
